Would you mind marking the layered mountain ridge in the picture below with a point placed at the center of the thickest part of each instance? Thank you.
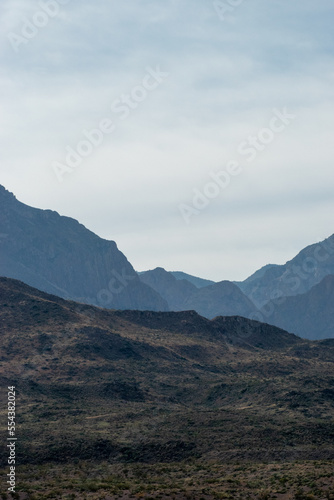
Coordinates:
(297, 276)
(310, 315)
(59, 255)
(217, 299)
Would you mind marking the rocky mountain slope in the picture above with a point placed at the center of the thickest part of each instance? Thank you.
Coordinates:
(198, 282)
(310, 315)
(296, 277)
(58, 255)
(175, 292)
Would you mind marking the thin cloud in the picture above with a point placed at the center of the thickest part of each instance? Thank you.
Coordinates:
(224, 80)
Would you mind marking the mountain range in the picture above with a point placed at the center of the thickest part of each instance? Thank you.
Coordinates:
(58, 255)
(116, 401)
(309, 315)
(296, 277)
(217, 299)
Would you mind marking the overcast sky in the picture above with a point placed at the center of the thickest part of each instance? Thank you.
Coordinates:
(216, 150)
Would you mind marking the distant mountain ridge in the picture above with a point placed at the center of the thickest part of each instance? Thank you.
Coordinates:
(297, 296)
(198, 282)
(175, 292)
(257, 275)
(58, 255)
(296, 277)
(310, 315)
(217, 299)
(221, 299)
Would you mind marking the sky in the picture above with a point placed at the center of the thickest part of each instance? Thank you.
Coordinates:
(197, 134)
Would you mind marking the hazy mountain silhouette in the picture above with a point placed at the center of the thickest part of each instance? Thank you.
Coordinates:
(296, 277)
(58, 255)
(218, 299)
(257, 275)
(221, 299)
(198, 282)
(302, 293)
(310, 315)
(175, 292)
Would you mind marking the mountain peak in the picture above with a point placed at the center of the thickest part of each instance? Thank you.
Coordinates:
(58, 255)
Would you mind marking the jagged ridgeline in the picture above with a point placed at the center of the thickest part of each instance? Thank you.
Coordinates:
(58, 255)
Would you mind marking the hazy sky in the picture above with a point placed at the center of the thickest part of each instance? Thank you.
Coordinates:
(196, 134)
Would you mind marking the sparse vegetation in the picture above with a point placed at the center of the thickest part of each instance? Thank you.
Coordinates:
(125, 405)
(103, 480)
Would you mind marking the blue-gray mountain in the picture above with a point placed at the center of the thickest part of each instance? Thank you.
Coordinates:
(219, 299)
(58, 255)
(309, 315)
(198, 282)
(297, 296)
(296, 277)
